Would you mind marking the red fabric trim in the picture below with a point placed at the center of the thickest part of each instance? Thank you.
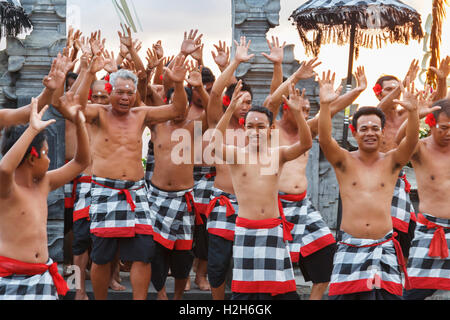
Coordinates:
(192, 205)
(81, 214)
(438, 245)
(272, 287)
(201, 207)
(117, 232)
(172, 245)
(210, 175)
(293, 197)
(413, 217)
(362, 285)
(124, 191)
(68, 203)
(9, 267)
(257, 224)
(400, 225)
(295, 256)
(430, 283)
(223, 201)
(144, 229)
(316, 245)
(226, 234)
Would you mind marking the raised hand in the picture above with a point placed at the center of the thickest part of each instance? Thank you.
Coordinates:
(412, 72)
(71, 105)
(425, 101)
(195, 75)
(361, 80)
(276, 51)
(97, 45)
(83, 45)
(410, 97)
(36, 121)
(296, 100)
(179, 69)
(152, 58)
(158, 49)
(444, 68)
(125, 39)
(327, 93)
(222, 58)
(306, 69)
(242, 50)
(97, 64)
(236, 97)
(58, 71)
(190, 42)
(110, 62)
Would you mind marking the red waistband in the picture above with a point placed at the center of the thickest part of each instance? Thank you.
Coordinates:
(438, 245)
(190, 202)
(9, 267)
(267, 224)
(223, 201)
(293, 197)
(70, 202)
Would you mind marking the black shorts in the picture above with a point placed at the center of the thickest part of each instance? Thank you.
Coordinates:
(81, 236)
(405, 238)
(68, 220)
(200, 247)
(139, 248)
(376, 294)
(318, 266)
(179, 261)
(265, 296)
(220, 256)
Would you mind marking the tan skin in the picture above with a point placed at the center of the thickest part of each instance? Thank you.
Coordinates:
(366, 177)
(257, 189)
(117, 143)
(25, 188)
(430, 161)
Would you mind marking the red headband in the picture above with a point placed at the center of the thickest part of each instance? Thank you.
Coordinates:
(430, 120)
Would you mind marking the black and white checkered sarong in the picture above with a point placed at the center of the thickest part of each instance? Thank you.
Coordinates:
(429, 260)
(262, 263)
(119, 208)
(362, 265)
(82, 198)
(173, 217)
(401, 207)
(150, 164)
(221, 213)
(204, 183)
(310, 232)
(28, 287)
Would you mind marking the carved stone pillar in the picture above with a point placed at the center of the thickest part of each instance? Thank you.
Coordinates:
(23, 65)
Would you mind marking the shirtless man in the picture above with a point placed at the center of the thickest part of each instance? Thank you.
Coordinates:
(26, 271)
(257, 275)
(387, 89)
(313, 245)
(429, 260)
(119, 210)
(172, 204)
(366, 256)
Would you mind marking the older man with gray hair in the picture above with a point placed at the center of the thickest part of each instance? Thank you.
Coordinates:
(119, 211)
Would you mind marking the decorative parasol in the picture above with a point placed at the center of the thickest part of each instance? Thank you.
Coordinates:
(359, 23)
(13, 19)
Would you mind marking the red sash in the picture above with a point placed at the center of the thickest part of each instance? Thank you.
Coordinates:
(438, 245)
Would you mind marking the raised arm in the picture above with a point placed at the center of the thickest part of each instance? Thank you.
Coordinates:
(179, 100)
(386, 103)
(305, 71)
(127, 41)
(276, 57)
(195, 81)
(305, 140)
(59, 177)
(222, 57)
(333, 152)
(221, 150)
(403, 152)
(442, 75)
(342, 101)
(215, 110)
(11, 160)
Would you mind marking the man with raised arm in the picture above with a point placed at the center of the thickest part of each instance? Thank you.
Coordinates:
(313, 246)
(429, 260)
(262, 267)
(26, 270)
(368, 262)
(387, 89)
(119, 211)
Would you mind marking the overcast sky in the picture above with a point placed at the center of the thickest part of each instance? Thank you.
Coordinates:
(167, 21)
